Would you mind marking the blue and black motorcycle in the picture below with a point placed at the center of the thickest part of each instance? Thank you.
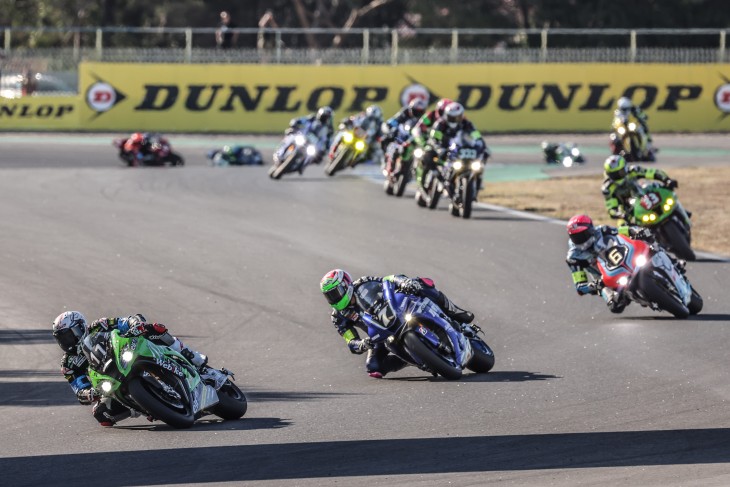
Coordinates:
(417, 330)
(298, 149)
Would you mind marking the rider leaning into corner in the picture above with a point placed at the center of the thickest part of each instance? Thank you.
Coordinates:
(320, 123)
(371, 121)
(586, 242)
(349, 299)
(622, 184)
(69, 330)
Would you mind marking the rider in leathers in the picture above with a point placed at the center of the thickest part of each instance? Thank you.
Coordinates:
(407, 118)
(622, 184)
(366, 294)
(320, 123)
(585, 243)
(451, 123)
(75, 362)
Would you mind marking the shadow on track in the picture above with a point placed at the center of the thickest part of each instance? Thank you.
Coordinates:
(19, 336)
(264, 396)
(37, 393)
(245, 424)
(507, 376)
(424, 456)
(667, 317)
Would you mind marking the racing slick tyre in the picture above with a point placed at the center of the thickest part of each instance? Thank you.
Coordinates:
(430, 357)
(483, 359)
(232, 402)
(177, 412)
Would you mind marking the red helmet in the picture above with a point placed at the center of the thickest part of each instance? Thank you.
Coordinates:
(441, 105)
(580, 231)
(137, 137)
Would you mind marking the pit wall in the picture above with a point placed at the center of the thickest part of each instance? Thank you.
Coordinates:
(263, 98)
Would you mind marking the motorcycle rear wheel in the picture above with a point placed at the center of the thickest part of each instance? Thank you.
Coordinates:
(148, 397)
(232, 402)
(429, 357)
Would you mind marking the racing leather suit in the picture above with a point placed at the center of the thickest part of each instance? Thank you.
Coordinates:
(583, 262)
(617, 195)
(372, 127)
(323, 132)
(368, 295)
(438, 142)
(74, 367)
(404, 119)
(423, 127)
(640, 115)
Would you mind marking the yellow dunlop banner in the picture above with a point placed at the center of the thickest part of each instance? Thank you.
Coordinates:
(40, 113)
(497, 97)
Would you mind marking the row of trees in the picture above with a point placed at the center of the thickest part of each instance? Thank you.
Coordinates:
(405, 15)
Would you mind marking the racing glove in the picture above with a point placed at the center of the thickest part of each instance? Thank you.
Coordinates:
(595, 287)
(645, 234)
(87, 396)
(671, 184)
(361, 345)
(411, 286)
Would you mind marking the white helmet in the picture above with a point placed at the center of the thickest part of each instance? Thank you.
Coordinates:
(374, 111)
(68, 329)
(453, 114)
(624, 104)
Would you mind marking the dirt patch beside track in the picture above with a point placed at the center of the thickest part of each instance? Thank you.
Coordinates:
(702, 190)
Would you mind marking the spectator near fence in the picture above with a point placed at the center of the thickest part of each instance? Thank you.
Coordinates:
(225, 38)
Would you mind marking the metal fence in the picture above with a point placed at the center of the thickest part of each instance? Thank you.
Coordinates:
(59, 50)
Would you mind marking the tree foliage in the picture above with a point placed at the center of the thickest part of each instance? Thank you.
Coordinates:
(404, 15)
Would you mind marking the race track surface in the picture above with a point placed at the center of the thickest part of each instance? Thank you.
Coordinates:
(231, 262)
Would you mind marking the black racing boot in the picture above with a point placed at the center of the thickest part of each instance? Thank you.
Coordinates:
(454, 312)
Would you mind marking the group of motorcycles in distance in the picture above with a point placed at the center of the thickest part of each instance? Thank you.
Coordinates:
(457, 174)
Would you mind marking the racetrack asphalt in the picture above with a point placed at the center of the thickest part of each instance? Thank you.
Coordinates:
(231, 260)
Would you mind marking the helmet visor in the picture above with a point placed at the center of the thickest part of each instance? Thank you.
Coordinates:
(338, 297)
(68, 338)
(581, 237)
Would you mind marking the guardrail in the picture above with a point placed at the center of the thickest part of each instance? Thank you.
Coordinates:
(389, 46)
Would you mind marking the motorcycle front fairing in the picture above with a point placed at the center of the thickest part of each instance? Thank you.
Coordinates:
(415, 311)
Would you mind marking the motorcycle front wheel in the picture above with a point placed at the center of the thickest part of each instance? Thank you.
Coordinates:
(430, 357)
(155, 399)
(468, 188)
(663, 298)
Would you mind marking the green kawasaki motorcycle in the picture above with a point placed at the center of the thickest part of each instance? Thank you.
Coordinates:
(158, 382)
(658, 208)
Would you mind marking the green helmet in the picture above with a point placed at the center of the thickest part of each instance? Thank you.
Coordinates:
(337, 288)
(615, 168)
